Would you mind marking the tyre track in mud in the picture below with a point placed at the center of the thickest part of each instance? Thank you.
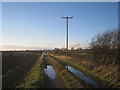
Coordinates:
(50, 77)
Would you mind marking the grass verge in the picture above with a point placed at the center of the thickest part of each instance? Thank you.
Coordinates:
(99, 77)
(35, 79)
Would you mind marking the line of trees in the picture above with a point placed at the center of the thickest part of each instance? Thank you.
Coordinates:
(104, 47)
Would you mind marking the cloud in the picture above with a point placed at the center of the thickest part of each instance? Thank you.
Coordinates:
(76, 45)
(19, 47)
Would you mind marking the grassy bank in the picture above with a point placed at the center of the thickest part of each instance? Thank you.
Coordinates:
(67, 78)
(99, 76)
(35, 78)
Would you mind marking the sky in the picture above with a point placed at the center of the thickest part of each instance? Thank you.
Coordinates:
(39, 25)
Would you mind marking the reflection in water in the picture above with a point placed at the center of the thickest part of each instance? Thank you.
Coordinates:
(83, 77)
(50, 72)
(0, 77)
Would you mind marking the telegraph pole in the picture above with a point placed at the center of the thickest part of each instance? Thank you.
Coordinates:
(67, 17)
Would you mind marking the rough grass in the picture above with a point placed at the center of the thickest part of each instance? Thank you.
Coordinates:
(67, 78)
(35, 79)
(104, 76)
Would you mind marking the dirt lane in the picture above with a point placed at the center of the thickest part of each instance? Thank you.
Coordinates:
(49, 83)
(51, 79)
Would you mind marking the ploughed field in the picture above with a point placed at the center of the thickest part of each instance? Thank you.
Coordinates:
(16, 65)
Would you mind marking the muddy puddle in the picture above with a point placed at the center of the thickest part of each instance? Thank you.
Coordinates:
(83, 77)
(51, 80)
(0, 77)
(49, 71)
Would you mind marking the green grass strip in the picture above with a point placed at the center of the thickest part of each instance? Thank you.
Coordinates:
(35, 78)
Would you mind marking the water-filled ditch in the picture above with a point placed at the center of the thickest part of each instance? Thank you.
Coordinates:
(79, 74)
(82, 76)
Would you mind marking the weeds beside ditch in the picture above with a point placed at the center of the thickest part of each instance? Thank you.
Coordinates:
(99, 76)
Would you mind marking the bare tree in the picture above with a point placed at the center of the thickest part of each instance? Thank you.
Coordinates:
(72, 48)
(79, 48)
(105, 47)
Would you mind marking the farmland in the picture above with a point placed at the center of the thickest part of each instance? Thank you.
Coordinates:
(86, 77)
(16, 65)
(52, 69)
(59, 44)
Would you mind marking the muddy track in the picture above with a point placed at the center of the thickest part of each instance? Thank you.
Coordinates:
(50, 77)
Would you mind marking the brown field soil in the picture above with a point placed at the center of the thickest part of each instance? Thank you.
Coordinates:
(15, 67)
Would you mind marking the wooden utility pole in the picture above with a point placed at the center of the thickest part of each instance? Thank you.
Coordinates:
(67, 17)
